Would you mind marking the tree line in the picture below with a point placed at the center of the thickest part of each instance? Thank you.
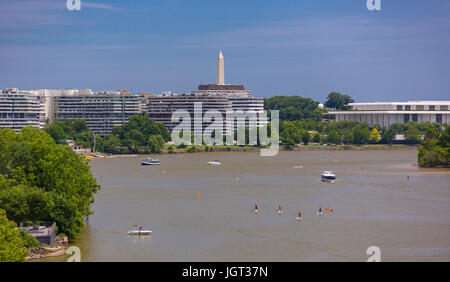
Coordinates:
(351, 132)
(138, 135)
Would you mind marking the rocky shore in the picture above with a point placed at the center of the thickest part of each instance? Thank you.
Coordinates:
(58, 248)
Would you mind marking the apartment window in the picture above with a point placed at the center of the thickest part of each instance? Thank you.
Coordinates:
(399, 108)
(405, 118)
(407, 108)
(420, 108)
(432, 108)
(444, 108)
(439, 118)
(414, 117)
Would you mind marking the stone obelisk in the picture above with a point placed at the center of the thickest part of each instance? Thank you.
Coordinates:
(220, 70)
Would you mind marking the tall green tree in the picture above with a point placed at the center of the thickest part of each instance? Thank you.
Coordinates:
(316, 137)
(294, 107)
(338, 101)
(387, 134)
(306, 137)
(348, 137)
(25, 204)
(434, 149)
(333, 137)
(361, 134)
(413, 134)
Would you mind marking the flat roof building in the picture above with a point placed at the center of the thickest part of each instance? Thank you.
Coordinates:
(102, 110)
(388, 113)
(21, 109)
(161, 107)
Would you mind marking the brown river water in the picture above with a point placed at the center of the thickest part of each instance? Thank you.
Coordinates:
(374, 205)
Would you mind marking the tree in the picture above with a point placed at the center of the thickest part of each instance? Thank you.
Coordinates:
(155, 145)
(432, 157)
(333, 138)
(316, 137)
(375, 136)
(57, 133)
(337, 101)
(306, 137)
(361, 134)
(387, 134)
(434, 149)
(25, 204)
(413, 134)
(12, 245)
(293, 107)
(348, 137)
(65, 213)
(290, 135)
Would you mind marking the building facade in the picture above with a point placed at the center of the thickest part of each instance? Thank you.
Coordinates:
(102, 110)
(21, 109)
(387, 113)
(161, 107)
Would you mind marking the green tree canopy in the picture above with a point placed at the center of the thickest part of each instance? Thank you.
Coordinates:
(348, 137)
(333, 137)
(31, 158)
(294, 107)
(12, 244)
(434, 149)
(338, 101)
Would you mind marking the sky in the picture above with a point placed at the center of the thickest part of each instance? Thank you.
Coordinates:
(274, 47)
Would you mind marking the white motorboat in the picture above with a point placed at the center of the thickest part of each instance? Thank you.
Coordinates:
(137, 230)
(328, 176)
(215, 162)
(149, 161)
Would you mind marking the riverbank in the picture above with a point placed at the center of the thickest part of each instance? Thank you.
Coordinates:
(212, 149)
(58, 248)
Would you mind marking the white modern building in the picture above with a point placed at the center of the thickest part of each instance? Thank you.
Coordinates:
(388, 113)
(101, 110)
(21, 108)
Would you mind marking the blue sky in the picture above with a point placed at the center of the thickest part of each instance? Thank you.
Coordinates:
(295, 47)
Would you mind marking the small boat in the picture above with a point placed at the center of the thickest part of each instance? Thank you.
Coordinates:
(215, 162)
(328, 176)
(137, 230)
(150, 161)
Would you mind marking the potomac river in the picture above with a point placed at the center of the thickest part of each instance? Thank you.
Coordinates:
(374, 202)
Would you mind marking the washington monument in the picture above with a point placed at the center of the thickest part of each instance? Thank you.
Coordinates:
(220, 70)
